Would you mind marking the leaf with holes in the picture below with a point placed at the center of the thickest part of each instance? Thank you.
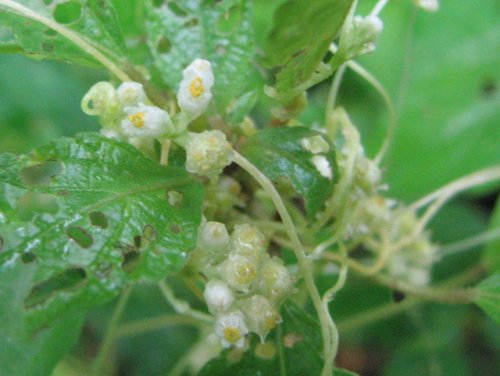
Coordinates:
(181, 31)
(93, 216)
(280, 152)
(26, 28)
(294, 350)
(296, 47)
(488, 296)
(25, 354)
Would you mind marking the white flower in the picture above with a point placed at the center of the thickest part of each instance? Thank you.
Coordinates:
(260, 314)
(131, 94)
(194, 90)
(231, 329)
(239, 272)
(323, 166)
(275, 281)
(428, 5)
(101, 100)
(248, 241)
(207, 153)
(219, 296)
(146, 121)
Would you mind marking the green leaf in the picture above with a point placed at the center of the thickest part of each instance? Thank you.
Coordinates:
(298, 341)
(278, 152)
(23, 353)
(241, 107)
(302, 33)
(491, 256)
(488, 296)
(92, 20)
(221, 32)
(93, 216)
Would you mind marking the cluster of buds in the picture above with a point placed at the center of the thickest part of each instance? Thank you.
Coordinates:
(360, 36)
(245, 285)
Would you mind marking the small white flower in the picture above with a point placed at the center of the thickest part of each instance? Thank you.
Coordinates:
(146, 121)
(275, 281)
(315, 144)
(194, 90)
(260, 314)
(231, 329)
(131, 94)
(219, 296)
(428, 5)
(238, 271)
(207, 153)
(323, 166)
(248, 241)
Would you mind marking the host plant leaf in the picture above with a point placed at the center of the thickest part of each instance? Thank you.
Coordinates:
(93, 216)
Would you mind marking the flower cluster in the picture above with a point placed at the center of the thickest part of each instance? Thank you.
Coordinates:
(245, 285)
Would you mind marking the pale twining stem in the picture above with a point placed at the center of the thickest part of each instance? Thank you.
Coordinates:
(333, 94)
(181, 306)
(302, 259)
(469, 181)
(165, 150)
(69, 34)
(110, 333)
(327, 298)
(154, 323)
(388, 103)
(378, 7)
(466, 244)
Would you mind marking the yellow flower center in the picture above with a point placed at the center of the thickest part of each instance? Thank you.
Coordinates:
(137, 119)
(196, 87)
(232, 334)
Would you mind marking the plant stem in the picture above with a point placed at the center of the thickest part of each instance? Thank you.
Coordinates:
(332, 97)
(69, 34)
(154, 323)
(165, 150)
(304, 262)
(469, 181)
(110, 333)
(181, 306)
(469, 243)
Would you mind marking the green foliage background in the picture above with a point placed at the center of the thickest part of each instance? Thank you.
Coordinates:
(442, 70)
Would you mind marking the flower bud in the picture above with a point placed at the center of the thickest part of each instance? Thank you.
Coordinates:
(102, 100)
(131, 94)
(362, 36)
(146, 121)
(239, 272)
(219, 296)
(428, 5)
(207, 153)
(231, 329)
(194, 90)
(214, 240)
(261, 316)
(248, 241)
(275, 281)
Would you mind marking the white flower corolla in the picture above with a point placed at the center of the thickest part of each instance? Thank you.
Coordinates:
(261, 316)
(194, 90)
(207, 153)
(146, 121)
(231, 329)
(323, 166)
(238, 271)
(315, 144)
(428, 5)
(275, 281)
(361, 37)
(102, 100)
(219, 296)
(248, 241)
(131, 94)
